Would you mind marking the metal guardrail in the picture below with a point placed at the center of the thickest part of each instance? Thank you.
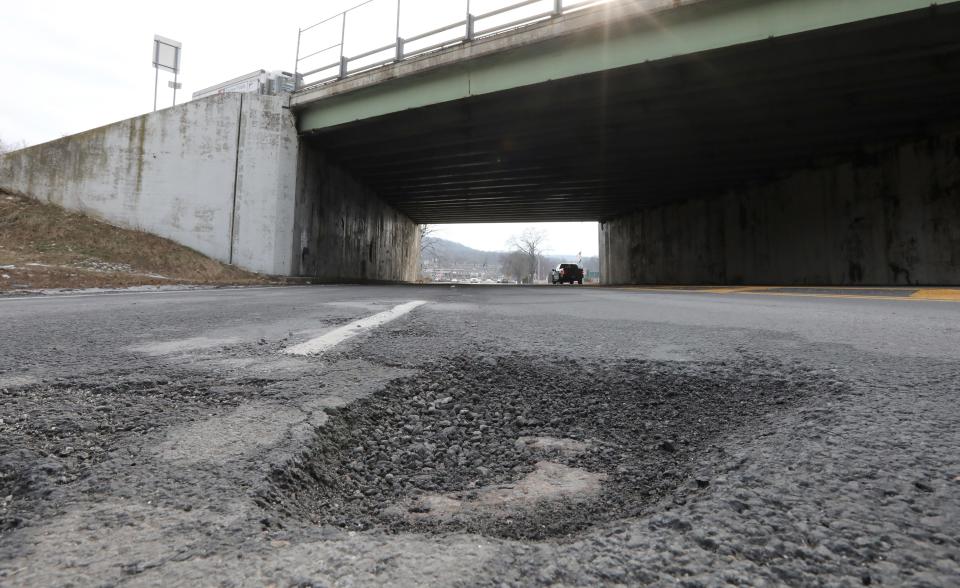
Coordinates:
(471, 27)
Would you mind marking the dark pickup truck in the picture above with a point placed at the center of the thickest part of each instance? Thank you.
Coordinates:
(566, 272)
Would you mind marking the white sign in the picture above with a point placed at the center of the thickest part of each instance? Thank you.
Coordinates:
(166, 54)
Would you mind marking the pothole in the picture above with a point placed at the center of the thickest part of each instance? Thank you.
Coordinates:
(522, 447)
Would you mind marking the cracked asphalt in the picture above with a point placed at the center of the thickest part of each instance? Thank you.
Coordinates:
(532, 436)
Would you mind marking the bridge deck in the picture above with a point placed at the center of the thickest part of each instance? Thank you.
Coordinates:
(595, 145)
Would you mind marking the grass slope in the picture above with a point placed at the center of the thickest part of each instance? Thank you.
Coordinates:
(45, 246)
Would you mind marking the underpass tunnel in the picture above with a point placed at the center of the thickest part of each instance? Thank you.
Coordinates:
(827, 157)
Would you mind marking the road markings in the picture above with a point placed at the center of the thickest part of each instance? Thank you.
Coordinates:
(909, 294)
(183, 345)
(951, 294)
(734, 289)
(341, 334)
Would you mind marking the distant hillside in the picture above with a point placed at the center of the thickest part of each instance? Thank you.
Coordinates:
(444, 253)
(449, 253)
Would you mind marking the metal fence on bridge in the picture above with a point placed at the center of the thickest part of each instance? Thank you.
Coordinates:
(352, 41)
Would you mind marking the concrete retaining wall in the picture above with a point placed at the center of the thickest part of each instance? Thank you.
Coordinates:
(890, 217)
(216, 175)
(345, 231)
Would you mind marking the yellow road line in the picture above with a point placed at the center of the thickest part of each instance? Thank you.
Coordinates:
(735, 289)
(942, 294)
(925, 294)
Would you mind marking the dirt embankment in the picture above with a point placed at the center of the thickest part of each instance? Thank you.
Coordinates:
(45, 246)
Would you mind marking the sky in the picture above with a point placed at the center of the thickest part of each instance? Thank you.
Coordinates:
(70, 66)
(562, 238)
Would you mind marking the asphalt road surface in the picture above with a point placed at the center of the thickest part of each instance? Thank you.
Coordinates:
(492, 436)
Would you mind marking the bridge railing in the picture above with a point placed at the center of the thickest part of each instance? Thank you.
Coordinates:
(352, 41)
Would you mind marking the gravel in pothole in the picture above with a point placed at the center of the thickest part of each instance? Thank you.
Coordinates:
(523, 447)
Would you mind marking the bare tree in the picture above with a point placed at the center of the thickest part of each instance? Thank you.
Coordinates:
(426, 242)
(426, 245)
(530, 244)
(7, 147)
(514, 265)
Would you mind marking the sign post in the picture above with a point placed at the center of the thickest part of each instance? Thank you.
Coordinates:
(166, 56)
(176, 86)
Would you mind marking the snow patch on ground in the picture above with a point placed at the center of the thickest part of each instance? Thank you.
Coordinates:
(131, 289)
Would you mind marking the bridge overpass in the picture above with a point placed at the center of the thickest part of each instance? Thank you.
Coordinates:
(717, 141)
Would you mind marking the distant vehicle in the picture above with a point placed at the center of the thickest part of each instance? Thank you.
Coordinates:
(504, 281)
(474, 280)
(566, 272)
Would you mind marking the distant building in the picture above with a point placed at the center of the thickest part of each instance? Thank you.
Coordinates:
(262, 82)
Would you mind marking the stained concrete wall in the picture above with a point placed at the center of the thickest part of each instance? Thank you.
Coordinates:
(892, 216)
(263, 222)
(216, 175)
(345, 232)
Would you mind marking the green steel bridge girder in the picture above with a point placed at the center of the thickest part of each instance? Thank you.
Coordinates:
(704, 26)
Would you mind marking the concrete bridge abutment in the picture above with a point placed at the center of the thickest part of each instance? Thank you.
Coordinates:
(344, 231)
(227, 176)
(887, 216)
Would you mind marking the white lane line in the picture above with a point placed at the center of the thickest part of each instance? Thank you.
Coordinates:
(341, 334)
